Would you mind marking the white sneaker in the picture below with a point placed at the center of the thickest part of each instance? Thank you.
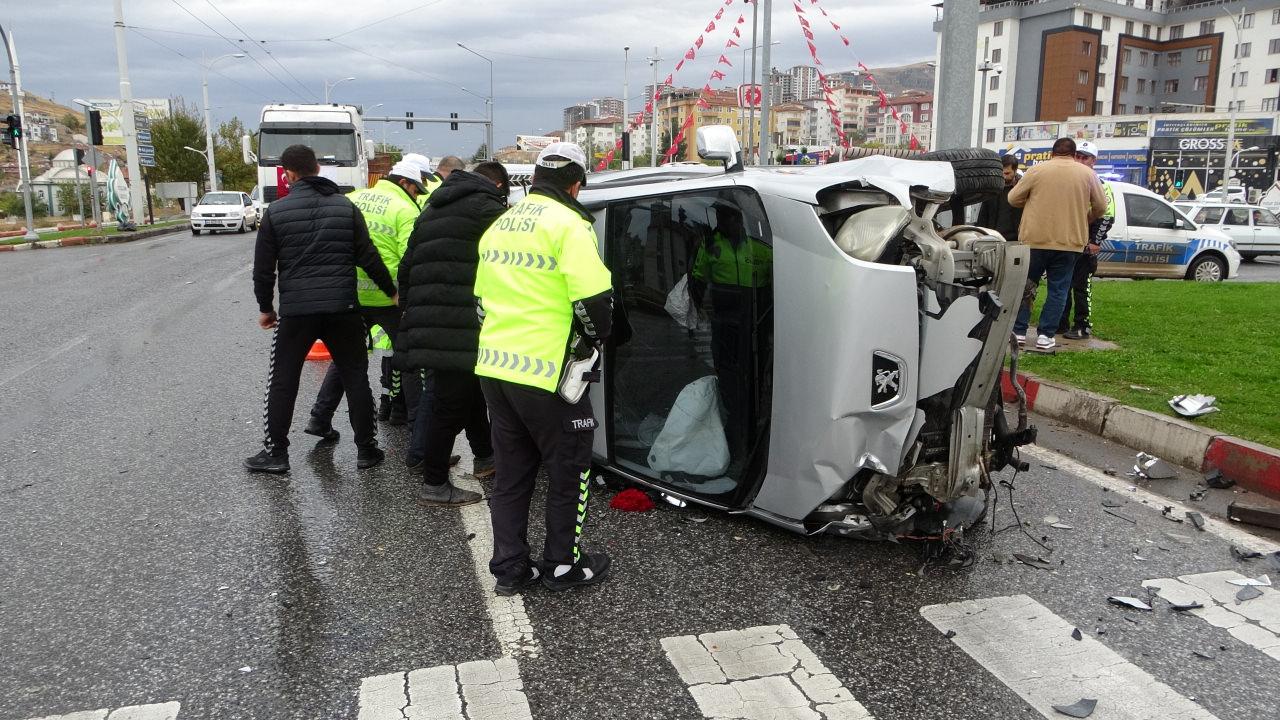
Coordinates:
(1044, 342)
(1022, 340)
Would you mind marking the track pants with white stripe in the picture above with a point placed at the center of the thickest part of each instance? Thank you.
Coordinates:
(532, 428)
(344, 335)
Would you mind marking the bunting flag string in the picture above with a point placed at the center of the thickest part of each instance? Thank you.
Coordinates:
(703, 102)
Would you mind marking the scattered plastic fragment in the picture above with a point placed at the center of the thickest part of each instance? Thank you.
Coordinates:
(1034, 562)
(1239, 554)
(1167, 514)
(1246, 593)
(1254, 514)
(1194, 406)
(1260, 581)
(246, 669)
(1216, 480)
(1206, 654)
(1122, 517)
(673, 500)
(1140, 388)
(1062, 526)
(1196, 519)
(1082, 708)
(1051, 519)
(1138, 557)
(1134, 603)
(1108, 502)
(1199, 493)
(950, 634)
(1152, 468)
(698, 518)
(1193, 605)
(1077, 635)
(1111, 471)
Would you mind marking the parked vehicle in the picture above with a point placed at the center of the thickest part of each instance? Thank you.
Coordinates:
(1254, 228)
(803, 345)
(1152, 239)
(224, 211)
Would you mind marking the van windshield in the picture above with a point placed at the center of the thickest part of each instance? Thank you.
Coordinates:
(333, 143)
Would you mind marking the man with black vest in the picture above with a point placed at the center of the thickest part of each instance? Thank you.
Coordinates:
(314, 238)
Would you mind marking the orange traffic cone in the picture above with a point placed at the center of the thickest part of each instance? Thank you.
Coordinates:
(318, 352)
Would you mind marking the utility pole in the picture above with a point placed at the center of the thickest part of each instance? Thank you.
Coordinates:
(765, 87)
(488, 128)
(92, 153)
(1231, 106)
(208, 121)
(956, 69)
(626, 95)
(755, 26)
(24, 162)
(653, 116)
(984, 68)
(137, 197)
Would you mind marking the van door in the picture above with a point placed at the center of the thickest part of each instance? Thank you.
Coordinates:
(1266, 233)
(1236, 224)
(1158, 243)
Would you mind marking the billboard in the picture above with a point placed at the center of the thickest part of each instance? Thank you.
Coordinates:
(749, 96)
(534, 142)
(1031, 131)
(112, 134)
(1106, 129)
(1213, 127)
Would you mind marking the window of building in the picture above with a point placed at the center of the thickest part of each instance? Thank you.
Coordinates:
(1142, 85)
(1104, 52)
(991, 135)
(1143, 56)
(1273, 47)
(999, 29)
(1275, 17)
(1097, 107)
(1269, 104)
(1122, 109)
(1206, 27)
(995, 55)
(1080, 106)
(1243, 50)
(995, 82)
(1175, 32)
(1159, 33)
(1106, 22)
(1171, 86)
(1102, 79)
(1128, 27)
(1273, 75)
(1086, 48)
(1123, 83)
(1155, 59)
(1146, 30)
(1082, 77)
(1126, 57)
(1240, 79)
(1246, 21)
(1200, 82)
(1088, 19)
(1138, 109)
(991, 109)
(924, 117)
(1203, 55)
(1174, 59)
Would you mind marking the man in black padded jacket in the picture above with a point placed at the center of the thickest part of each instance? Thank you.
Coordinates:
(314, 238)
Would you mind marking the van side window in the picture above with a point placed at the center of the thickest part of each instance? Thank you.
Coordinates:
(1209, 216)
(1143, 211)
(1237, 216)
(1265, 218)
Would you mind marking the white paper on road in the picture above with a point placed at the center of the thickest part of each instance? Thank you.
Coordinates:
(761, 672)
(161, 711)
(1254, 622)
(1031, 650)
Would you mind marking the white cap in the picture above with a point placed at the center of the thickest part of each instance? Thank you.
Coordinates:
(421, 160)
(409, 170)
(570, 151)
(1087, 148)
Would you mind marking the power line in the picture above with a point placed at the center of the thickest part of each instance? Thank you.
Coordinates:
(389, 17)
(403, 67)
(264, 49)
(193, 61)
(239, 47)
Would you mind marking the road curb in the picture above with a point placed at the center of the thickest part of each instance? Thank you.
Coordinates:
(94, 239)
(1253, 466)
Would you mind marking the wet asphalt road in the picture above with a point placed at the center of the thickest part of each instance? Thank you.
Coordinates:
(140, 564)
(1264, 269)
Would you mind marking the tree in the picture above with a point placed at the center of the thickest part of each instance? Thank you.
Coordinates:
(169, 136)
(73, 122)
(11, 205)
(481, 153)
(67, 192)
(667, 133)
(236, 174)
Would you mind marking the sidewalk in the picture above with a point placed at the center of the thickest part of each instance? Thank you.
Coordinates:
(1175, 440)
(97, 240)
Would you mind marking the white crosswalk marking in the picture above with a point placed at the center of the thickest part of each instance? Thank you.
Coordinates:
(1032, 651)
(482, 690)
(161, 711)
(1254, 622)
(763, 672)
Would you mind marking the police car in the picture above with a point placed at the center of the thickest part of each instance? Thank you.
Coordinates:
(1153, 239)
(803, 344)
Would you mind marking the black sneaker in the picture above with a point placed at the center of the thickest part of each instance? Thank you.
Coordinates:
(367, 457)
(588, 570)
(321, 429)
(415, 463)
(511, 587)
(398, 415)
(265, 462)
(384, 408)
(446, 495)
(1076, 334)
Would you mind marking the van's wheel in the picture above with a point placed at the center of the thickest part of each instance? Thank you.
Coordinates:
(1207, 268)
(979, 174)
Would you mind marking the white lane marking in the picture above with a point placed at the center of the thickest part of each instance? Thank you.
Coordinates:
(161, 711)
(481, 690)
(760, 672)
(1224, 530)
(511, 623)
(1031, 650)
(1254, 622)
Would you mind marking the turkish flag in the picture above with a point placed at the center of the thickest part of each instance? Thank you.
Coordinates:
(717, 75)
(741, 19)
(724, 61)
(731, 43)
(698, 43)
(807, 33)
(804, 23)
(690, 54)
(799, 9)
(845, 40)
(711, 26)
(720, 12)
(669, 79)
(282, 183)
(737, 33)
(702, 103)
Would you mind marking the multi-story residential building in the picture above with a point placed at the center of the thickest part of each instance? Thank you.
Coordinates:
(607, 107)
(795, 85)
(1066, 58)
(575, 114)
(596, 136)
(676, 107)
(915, 109)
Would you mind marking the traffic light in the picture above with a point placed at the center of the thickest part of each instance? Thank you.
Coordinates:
(408, 124)
(95, 127)
(626, 147)
(453, 126)
(1178, 184)
(12, 131)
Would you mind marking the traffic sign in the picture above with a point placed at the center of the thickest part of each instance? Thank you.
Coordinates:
(146, 155)
(141, 121)
(749, 96)
(144, 137)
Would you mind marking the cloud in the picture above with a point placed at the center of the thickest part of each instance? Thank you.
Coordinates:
(546, 54)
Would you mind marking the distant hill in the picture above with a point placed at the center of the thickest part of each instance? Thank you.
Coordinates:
(895, 80)
(39, 111)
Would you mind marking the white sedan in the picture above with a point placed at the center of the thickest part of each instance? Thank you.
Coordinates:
(224, 211)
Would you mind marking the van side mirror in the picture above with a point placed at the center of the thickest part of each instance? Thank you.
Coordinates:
(370, 149)
(719, 142)
(246, 150)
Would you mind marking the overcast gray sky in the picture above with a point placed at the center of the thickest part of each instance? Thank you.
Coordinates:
(547, 54)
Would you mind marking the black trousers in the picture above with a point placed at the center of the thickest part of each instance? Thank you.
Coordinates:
(533, 427)
(1081, 295)
(344, 334)
(331, 389)
(457, 404)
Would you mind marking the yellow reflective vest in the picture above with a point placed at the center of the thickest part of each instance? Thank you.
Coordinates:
(536, 260)
(390, 214)
(749, 264)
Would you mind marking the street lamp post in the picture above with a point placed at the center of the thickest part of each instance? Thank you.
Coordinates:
(329, 86)
(653, 105)
(208, 122)
(1231, 107)
(984, 68)
(626, 95)
(24, 161)
(488, 129)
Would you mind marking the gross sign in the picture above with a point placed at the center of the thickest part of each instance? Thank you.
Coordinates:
(749, 96)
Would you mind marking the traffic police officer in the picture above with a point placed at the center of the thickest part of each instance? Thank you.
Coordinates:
(390, 209)
(541, 284)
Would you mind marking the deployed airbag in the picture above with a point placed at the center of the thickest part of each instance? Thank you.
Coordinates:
(692, 440)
